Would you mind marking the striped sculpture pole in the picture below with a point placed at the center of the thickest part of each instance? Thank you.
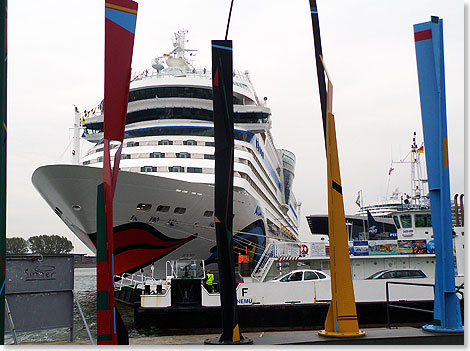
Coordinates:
(341, 320)
(3, 161)
(222, 87)
(429, 44)
(120, 21)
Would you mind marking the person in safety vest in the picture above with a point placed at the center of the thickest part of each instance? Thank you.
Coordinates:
(210, 280)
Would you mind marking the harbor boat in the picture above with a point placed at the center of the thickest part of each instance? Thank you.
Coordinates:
(164, 201)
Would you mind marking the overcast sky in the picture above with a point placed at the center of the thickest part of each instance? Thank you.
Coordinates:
(56, 57)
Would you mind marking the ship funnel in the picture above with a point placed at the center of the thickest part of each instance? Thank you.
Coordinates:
(288, 165)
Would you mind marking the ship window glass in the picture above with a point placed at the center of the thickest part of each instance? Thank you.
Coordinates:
(132, 143)
(148, 169)
(209, 157)
(183, 155)
(397, 222)
(125, 157)
(143, 207)
(176, 169)
(189, 142)
(208, 213)
(162, 208)
(100, 159)
(196, 131)
(179, 210)
(210, 143)
(165, 142)
(167, 92)
(157, 155)
(86, 163)
(194, 170)
(310, 276)
(99, 149)
(423, 220)
(406, 221)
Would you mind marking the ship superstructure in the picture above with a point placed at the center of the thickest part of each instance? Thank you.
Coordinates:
(164, 199)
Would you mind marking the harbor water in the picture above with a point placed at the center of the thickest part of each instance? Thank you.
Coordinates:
(85, 290)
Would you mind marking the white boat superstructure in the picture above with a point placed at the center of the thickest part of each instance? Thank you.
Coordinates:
(164, 201)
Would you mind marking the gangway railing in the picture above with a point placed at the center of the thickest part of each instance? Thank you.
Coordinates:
(129, 281)
(458, 291)
(277, 251)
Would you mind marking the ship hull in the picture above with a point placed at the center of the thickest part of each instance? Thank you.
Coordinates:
(155, 219)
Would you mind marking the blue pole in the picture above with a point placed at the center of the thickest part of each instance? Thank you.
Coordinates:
(430, 61)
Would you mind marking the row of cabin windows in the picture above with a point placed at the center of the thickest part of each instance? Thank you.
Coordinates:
(167, 92)
(421, 221)
(174, 169)
(156, 155)
(164, 142)
(179, 113)
(176, 131)
(165, 209)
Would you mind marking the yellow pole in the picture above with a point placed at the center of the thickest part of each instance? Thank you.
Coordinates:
(341, 320)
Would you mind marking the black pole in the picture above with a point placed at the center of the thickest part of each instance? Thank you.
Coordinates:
(228, 21)
(3, 161)
(320, 69)
(222, 87)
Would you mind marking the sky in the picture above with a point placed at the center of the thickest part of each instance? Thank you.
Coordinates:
(56, 58)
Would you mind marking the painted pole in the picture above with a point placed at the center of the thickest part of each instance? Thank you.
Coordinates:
(341, 319)
(3, 162)
(429, 44)
(120, 21)
(222, 87)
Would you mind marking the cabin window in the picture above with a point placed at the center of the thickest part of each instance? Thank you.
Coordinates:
(423, 220)
(208, 213)
(143, 207)
(165, 142)
(176, 169)
(157, 155)
(99, 159)
(397, 222)
(183, 155)
(179, 210)
(86, 163)
(194, 170)
(189, 142)
(209, 157)
(406, 221)
(99, 149)
(163, 208)
(125, 157)
(148, 169)
(210, 143)
(132, 143)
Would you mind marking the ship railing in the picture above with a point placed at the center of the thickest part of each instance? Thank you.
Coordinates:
(273, 252)
(129, 281)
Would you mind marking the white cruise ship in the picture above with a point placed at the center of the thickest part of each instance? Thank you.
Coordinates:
(164, 204)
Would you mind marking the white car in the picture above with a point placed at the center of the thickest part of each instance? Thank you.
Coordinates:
(301, 275)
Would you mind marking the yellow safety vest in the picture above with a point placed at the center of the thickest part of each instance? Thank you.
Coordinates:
(210, 278)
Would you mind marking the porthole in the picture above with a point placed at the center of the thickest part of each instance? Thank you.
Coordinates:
(143, 207)
(76, 207)
(162, 208)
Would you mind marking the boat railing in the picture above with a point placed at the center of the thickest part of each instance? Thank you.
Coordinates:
(459, 290)
(129, 281)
